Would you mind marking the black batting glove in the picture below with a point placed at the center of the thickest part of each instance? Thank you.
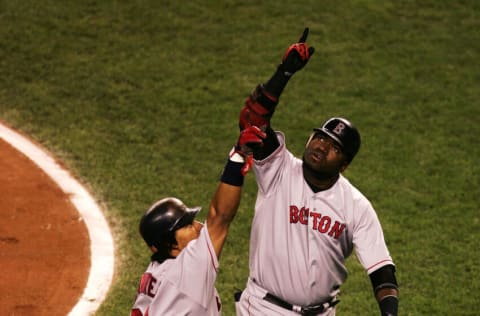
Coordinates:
(297, 55)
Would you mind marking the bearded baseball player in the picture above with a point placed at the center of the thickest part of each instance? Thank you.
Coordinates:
(308, 216)
(180, 279)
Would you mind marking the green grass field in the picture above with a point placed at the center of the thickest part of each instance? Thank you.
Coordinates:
(140, 100)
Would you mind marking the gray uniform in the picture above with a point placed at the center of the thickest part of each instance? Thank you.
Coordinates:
(300, 239)
(181, 286)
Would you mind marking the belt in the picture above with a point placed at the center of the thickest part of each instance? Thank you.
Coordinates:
(306, 311)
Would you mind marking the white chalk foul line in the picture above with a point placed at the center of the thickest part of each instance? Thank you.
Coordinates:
(101, 241)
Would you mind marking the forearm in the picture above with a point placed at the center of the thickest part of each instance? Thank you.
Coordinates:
(226, 201)
(224, 204)
(277, 83)
(227, 196)
(385, 289)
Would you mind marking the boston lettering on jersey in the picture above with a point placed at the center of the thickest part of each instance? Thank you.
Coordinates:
(323, 224)
(146, 285)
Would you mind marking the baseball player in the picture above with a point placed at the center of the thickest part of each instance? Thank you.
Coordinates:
(180, 279)
(308, 217)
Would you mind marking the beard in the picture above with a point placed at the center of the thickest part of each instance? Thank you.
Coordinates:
(318, 173)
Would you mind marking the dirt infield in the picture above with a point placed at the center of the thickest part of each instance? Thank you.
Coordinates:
(44, 244)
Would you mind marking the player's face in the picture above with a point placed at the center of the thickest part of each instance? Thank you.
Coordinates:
(324, 156)
(187, 233)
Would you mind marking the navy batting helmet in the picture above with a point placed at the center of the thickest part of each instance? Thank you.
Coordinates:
(163, 218)
(344, 133)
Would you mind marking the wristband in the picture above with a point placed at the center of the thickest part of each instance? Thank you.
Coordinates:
(389, 306)
(232, 173)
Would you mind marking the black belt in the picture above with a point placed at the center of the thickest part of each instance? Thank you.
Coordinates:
(306, 311)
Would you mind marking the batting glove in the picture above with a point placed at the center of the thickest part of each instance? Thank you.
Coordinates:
(250, 138)
(297, 55)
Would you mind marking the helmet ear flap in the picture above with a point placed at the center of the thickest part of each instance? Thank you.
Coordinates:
(163, 248)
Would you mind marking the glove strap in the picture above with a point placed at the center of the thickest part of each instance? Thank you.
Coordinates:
(235, 156)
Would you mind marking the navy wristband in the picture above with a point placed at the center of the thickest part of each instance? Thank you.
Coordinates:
(232, 173)
(389, 306)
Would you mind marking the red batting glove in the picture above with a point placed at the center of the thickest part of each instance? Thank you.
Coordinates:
(250, 138)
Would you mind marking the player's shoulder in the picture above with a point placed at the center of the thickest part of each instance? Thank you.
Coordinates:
(158, 270)
(280, 156)
(352, 191)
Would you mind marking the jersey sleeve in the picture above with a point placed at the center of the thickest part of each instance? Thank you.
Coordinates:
(368, 239)
(195, 272)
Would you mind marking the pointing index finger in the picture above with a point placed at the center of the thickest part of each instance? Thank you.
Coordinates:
(304, 36)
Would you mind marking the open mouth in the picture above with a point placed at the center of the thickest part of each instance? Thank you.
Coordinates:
(317, 155)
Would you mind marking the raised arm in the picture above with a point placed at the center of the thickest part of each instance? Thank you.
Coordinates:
(225, 202)
(261, 103)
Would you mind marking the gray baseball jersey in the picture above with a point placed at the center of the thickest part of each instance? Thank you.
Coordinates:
(300, 239)
(181, 286)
